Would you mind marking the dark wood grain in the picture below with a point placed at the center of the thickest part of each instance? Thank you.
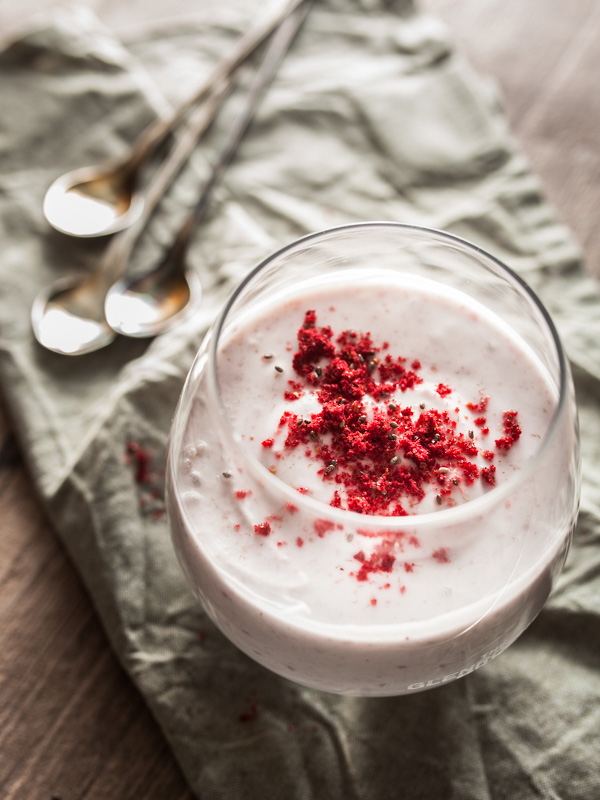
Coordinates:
(72, 725)
(545, 56)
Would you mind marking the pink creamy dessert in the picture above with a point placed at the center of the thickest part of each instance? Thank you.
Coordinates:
(350, 491)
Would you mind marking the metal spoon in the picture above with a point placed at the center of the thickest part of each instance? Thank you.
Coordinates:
(104, 199)
(148, 305)
(69, 317)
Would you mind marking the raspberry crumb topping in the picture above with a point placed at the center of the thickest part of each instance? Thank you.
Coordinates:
(378, 454)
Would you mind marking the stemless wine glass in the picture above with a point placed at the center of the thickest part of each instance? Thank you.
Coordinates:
(360, 603)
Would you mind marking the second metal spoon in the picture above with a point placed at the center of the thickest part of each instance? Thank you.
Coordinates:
(147, 306)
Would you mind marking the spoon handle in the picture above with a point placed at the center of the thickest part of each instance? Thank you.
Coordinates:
(120, 248)
(277, 49)
(199, 122)
(157, 131)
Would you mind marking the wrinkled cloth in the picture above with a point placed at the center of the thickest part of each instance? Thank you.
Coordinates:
(372, 116)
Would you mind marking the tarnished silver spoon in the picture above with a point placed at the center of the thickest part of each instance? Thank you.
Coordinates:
(70, 316)
(100, 200)
(148, 305)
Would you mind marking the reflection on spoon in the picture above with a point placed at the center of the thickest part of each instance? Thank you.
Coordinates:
(148, 307)
(87, 202)
(104, 199)
(68, 333)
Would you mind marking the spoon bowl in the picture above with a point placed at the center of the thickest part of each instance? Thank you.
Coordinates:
(68, 319)
(154, 302)
(94, 201)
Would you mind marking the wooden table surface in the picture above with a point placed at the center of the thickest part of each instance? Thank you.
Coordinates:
(72, 726)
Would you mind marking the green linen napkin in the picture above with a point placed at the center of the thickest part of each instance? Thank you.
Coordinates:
(372, 116)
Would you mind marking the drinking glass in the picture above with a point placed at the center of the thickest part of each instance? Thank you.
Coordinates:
(295, 609)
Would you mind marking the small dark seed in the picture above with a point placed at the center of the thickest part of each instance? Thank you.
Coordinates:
(394, 460)
(268, 356)
(278, 368)
(421, 405)
(455, 481)
(438, 499)
(227, 474)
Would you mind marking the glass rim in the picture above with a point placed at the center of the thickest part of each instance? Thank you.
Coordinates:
(450, 516)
